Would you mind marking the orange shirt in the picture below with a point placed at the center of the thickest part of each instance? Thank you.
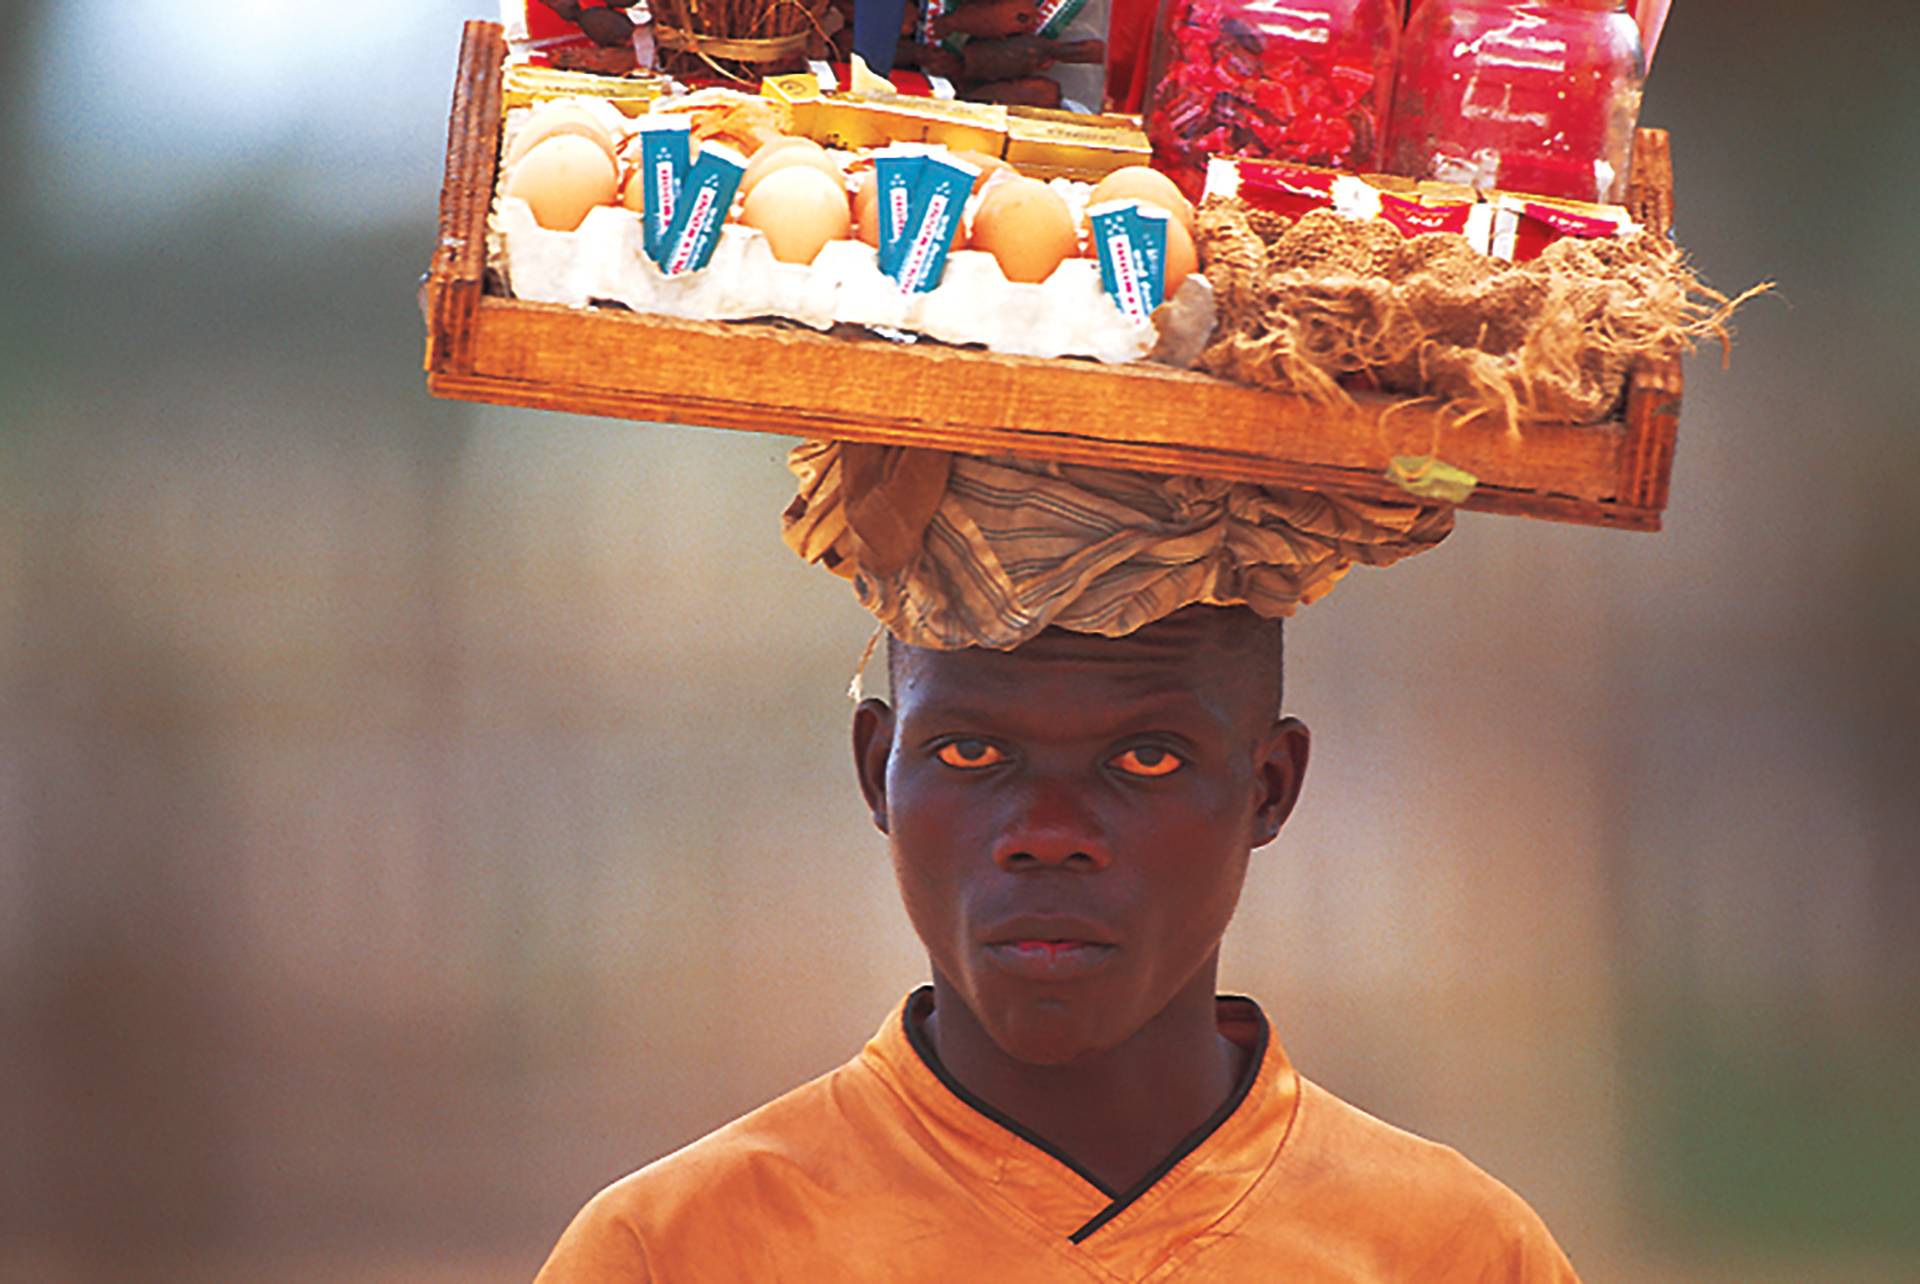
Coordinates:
(884, 1170)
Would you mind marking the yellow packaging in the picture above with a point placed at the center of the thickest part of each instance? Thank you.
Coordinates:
(800, 93)
(874, 120)
(524, 85)
(1062, 144)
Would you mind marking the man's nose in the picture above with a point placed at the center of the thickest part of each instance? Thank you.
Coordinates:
(1053, 827)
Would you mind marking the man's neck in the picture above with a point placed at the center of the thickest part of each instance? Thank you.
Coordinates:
(1117, 1114)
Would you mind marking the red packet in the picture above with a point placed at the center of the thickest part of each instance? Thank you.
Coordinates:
(1524, 227)
(1291, 190)
(1415, 217)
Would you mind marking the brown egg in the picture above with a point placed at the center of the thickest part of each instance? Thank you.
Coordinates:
(866, 209)
(799, 209)
(988, 166)
(633, 190)
(562, 179)
(1140, 183)
(1182, 260)
(1025, 225)
(782, 152)
(551, 119)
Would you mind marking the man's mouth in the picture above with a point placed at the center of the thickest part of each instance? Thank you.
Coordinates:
(1049, 958)
(1047, 946)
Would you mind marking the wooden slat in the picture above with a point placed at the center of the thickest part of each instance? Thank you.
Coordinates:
(1655, 388)
(784, 379)
(797, 382)
(456, 277)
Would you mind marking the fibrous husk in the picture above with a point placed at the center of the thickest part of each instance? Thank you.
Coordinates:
(1305, 304)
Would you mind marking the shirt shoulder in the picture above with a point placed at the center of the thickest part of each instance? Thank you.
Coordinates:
(799, 1149)
(1407, 1207)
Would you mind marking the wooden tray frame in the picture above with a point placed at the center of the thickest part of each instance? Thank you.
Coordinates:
(784, 379)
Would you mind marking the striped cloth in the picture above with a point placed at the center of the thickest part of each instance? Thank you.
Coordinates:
(953, 551)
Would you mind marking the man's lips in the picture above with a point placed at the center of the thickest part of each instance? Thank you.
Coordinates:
(1049, 948)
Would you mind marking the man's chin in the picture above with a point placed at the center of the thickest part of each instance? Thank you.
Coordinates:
(1047, 1032)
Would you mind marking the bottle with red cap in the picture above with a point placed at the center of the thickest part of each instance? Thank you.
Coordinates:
(1537, 96)
(1299, 80)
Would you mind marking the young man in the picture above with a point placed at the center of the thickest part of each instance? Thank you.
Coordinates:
(1071, 822)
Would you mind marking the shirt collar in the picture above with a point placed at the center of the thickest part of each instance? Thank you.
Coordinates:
(1186, 1198)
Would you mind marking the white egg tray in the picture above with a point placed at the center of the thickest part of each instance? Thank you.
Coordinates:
(1068, 315)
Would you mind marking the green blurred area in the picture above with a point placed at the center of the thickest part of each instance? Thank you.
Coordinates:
(414, 815)
(1773, 1129)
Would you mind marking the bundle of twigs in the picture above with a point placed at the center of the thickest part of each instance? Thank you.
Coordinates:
(737, 39)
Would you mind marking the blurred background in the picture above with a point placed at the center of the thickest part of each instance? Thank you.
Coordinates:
(414, 816)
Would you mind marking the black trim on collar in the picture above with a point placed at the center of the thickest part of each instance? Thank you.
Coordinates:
(1191, 1143)
(917, 1039)
(917, 1002)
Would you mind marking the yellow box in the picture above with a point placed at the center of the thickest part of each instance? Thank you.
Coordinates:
(524, 85)
(800, 94)
(873, 120)
(1063, 144)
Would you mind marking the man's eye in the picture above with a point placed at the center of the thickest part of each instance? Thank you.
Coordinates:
(969, 754)
(1148, 760)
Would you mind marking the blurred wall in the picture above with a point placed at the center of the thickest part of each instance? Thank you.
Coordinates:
(413, 815)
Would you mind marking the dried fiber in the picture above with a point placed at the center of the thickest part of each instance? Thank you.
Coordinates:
(1323, 303)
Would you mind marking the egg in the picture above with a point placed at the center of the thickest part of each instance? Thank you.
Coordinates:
(562, 179)
(987, 165)
(783, 152)
(1027, 228)
(799, 209)
(1182, 259)
(633, 190)
(1140, 183)
(556, 118)
(866, 209)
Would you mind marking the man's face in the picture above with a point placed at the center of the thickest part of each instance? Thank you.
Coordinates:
(1071, 821)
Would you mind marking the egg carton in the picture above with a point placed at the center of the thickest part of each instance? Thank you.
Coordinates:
(1070, 314)
(602, 261)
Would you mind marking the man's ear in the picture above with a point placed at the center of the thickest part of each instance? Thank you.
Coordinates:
(1282, 768)
(872, 746)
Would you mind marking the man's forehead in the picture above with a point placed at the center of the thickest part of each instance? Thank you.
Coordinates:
(1199, 646)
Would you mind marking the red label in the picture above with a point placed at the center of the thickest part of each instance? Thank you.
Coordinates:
(1285, 189)
(1568, 223)
(1535, 227)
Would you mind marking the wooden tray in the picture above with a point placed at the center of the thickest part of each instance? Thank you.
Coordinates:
(781, 379)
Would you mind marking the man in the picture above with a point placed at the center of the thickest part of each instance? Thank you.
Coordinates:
(1071, 823)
